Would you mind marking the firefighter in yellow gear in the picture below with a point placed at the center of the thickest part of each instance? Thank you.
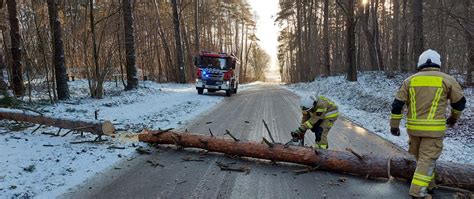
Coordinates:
(319, 115)
(427, 94)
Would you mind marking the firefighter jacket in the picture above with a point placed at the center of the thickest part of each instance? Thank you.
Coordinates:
(324, 109)
(426, 95)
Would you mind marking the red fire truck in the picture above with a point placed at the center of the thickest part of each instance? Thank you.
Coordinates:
(217, 71)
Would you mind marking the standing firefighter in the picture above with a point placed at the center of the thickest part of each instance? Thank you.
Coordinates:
(319, 115)
(426, 94)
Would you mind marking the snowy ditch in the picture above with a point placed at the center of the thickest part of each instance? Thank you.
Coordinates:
(367, 102)
(40, 165)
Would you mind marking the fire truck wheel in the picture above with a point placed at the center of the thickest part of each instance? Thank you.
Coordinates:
(200, 91)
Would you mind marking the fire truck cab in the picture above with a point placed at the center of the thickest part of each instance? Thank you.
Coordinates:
(217, 71)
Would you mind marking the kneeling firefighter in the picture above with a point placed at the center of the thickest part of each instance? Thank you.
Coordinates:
(319, 115)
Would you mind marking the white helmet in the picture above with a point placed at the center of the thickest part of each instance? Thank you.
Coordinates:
(307, 102)
(429, 58)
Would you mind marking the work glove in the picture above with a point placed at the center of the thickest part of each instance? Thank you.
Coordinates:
(296, 134)
(451, 121)
(395, 131)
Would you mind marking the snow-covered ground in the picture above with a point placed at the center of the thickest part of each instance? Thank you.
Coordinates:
(368, 101)
(43, 166)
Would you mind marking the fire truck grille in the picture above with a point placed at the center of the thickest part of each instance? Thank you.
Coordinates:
(210, 82)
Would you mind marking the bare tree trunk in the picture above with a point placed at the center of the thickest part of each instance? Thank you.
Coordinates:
(417, 12)
(299, 44)
(469, 31)
(447, 173)
(350, 40)
(369, 37)
(17, 68)
(187, 52)
(170, 76)
(97, 90)
(244, 62)
(58, 51)
(3, 67)
(179, 47)
(196, 26)
(395, 62)
(327, 60)
(3, 79)
(376, 34)
(405, 67)
(132, 79)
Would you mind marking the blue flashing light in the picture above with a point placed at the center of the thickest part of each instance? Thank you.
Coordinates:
(207, 75)
(203, 72)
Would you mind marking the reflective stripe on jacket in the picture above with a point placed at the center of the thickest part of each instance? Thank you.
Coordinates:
(426, 95)
(325, 109)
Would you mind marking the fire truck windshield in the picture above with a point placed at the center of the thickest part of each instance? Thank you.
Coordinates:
(214, 62)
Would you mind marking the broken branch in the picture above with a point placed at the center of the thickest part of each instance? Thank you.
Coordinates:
(354, 153)
(227, 132)
(268, 131)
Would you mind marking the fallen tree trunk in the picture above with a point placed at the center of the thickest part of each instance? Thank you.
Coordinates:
(447, 174)
(95, 127)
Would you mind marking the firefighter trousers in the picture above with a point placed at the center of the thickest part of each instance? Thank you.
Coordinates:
(321, 133)
(426, 151)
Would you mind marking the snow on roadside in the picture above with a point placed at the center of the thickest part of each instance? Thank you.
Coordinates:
(367, 102)
(44, 166)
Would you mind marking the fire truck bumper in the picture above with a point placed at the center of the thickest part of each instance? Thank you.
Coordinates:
(224, 86)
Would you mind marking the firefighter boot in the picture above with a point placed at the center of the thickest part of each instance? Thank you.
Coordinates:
(429, 150)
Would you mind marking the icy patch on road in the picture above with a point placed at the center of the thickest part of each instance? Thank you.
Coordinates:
(367, 102)
(43, 166)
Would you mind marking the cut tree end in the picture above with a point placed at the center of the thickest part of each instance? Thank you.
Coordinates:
(108, 128)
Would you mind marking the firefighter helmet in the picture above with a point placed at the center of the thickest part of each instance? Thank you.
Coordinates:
(429, 58)
(307, 102)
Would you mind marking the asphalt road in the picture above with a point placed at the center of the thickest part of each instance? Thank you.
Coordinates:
(242, 114)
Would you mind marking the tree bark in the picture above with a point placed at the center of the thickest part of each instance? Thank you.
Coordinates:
(17, 68)
(376, 34)
(350, 40)
(395, 62)
(170, 76)
(95, 127)
(447, 174)
(369, 37)
(97, 90)
(62, 88)
(299, 44)
(404, 40)
(3, 77)
(132, 79)
(179, 47)
(417, 11)
(327, 61)
(468, 32)
(196, 26)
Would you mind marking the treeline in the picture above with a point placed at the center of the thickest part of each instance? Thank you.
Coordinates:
(45, 44)
(326, 37)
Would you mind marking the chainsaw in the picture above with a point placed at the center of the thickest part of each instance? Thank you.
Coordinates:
(295, 141)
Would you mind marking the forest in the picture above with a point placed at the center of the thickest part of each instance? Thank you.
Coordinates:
(327, 37)
(45, 44)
